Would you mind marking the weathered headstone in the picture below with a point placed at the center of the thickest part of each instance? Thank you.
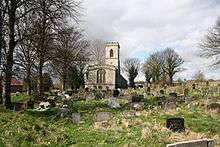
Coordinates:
(162, 92)
(160, 101)
(186, 92)
(129, 114)
(173, 94)
(194, 143)
(76, 118)
(171, 104)
(19, 106)
(103, 116)
(138, 106)
(214, 106)
(175, 124)
(137, 98)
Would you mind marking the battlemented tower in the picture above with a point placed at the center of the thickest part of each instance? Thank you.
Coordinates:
(112, 54)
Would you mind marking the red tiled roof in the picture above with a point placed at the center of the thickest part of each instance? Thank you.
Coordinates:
(15, 82)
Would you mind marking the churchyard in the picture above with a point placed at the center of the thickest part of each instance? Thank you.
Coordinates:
(154, 116)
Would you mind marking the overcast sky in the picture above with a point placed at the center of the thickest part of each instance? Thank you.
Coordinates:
(145, 26)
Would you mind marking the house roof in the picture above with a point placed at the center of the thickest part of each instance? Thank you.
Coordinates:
(15, 82)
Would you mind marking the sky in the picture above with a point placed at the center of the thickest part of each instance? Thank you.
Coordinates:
(145, 26)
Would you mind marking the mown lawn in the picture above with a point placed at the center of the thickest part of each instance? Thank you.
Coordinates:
(146, 128)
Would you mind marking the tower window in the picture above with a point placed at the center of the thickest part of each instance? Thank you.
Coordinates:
(111, 53)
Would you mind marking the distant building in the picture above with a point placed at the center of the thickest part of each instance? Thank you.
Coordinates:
(106, 75)
(16, 85)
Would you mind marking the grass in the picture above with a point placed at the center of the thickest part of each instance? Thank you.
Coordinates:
(147, 128)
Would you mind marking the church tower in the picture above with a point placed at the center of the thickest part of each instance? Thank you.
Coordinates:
(112, 54)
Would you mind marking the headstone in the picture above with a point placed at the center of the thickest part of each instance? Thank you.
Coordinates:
(175, 124)
(186, 92)
(171, 104)
(160, 101)
(19, 106)
(214, 106)
(76, 118)
(113, 102)
(62, 111)
(129, 114)
(103, 116)
(44, 105)
(148, 89)
(30, 104)
(162, 92)
(193, 86)
(138, 106)
(52, 102)
(194, 143)
(173, 94)
(137, 98)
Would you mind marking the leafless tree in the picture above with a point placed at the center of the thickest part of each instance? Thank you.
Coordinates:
(71, 49)
(15, 11)
(154, 64)
(131, 67)
(199, 76)
(171, 64)
(97, 51)
(50, 17)
(210, 46)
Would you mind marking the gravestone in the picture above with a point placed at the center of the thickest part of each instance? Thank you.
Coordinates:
(148, 89)
(162, 92)
(173, 94)
(194, 86)
(175, 124)
(129, 114)
(160, 101)
(52, 102)
(214, 106)
(194, 143)
(138, 106)
(30, 104)
(137, 98)
(186, 92)
(103, 116)
(171, 104)
(19, 106)
(76, 118)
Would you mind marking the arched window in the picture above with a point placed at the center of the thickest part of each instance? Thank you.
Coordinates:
(101, 76)
(111, 53)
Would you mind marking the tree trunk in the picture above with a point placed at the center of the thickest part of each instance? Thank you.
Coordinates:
(1, 48)
(29, 81)
(1, 90)
(9, 58)
(40, 80)
(64, 83)
(171, 80)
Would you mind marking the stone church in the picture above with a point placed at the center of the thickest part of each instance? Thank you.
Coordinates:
(106, 75)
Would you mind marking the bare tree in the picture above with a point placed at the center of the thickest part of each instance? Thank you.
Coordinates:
(147, 73)
(15, 10)
(210, 46)
(131, 67)
(199, 76)
(171, 64)
(97, 51)
(154, 64)
(50, 17)
(70, 50)
(2, 20)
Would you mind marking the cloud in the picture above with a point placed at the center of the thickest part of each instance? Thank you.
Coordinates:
(142, 27)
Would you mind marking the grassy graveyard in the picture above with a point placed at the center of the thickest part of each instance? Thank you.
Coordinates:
(127, 126)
